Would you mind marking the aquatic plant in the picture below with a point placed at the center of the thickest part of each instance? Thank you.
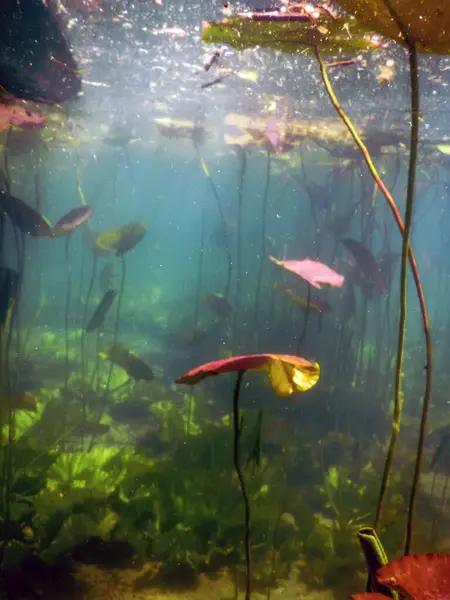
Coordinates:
(416, 577)
(315, 274)
(287, 374)
(295, 29)
(426, 25)
(223, 224)
(238, 31)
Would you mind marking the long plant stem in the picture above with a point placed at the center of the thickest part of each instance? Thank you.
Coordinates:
(116, 335)
(263, 246)
(83, 334)
(285, 442)
(237, 301)
(223, 223)
(237, 466)
(200, 265)
(305, 320)
(67, 311)
(414, 146)
(417, 283)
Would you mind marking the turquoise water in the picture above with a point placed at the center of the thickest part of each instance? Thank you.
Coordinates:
(145, 468)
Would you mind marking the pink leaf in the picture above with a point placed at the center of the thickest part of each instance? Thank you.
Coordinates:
(73, 219)
(313, 272)
(11, 114)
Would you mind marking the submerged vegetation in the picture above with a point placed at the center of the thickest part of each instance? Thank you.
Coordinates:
(144, 286)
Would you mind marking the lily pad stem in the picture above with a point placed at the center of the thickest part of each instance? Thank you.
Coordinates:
(406, 251)
(237, 437)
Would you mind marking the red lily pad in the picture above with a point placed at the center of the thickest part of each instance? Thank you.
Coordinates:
(418, 576)
(313, 272)
(73, 219)
(287, 374)
(11, 114)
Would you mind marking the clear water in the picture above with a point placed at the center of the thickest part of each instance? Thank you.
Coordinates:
(152, 501)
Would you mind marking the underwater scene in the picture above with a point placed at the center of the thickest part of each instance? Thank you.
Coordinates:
(224, 287)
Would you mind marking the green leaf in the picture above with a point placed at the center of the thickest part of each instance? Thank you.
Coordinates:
(333, 477)
(332, 36)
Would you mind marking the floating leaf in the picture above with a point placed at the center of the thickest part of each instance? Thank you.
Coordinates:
(287, 374)
(427, 23)
(122, 238)
(288, 33)
(313, 272)
(73, 219)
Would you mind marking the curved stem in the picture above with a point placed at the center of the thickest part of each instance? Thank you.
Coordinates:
(237, 301)
(83, 334)
(415, 115)
(222, 221)
(116, 335)
(237, 437)
(200, 265)
(419, 290)
(67, 311)
(263, 246)
(305, 320)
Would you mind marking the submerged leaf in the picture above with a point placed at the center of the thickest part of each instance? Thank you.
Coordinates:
(287, 374)
(122, 357)
(313, 272)
(23, 216)
(73, 219)
(98, 318)
(367, 264)
(122, 238)
(418, 576)
(444, 148)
